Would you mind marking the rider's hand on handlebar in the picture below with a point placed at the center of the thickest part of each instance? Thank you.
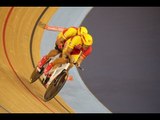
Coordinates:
(72, 61)
(77, 64)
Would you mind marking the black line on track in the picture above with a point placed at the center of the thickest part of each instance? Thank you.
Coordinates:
(31, 41)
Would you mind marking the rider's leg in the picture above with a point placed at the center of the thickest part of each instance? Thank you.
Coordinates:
(44, 59)
(53, 53)
(56, 62)
(75, 58)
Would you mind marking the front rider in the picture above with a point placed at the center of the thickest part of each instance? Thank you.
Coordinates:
(75, 50)
(63, 36)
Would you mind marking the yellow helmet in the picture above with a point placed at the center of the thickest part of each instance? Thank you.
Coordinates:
(87, 39)
(82, 30)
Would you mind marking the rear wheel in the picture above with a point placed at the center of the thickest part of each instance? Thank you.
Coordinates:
(55, 86)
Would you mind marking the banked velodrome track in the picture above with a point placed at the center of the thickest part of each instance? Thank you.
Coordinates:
(23, 43)
(20, 51)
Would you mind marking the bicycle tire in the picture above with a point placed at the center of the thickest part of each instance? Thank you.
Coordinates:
(55, 87)
(34, 76)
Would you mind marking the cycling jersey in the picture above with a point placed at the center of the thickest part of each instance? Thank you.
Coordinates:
(75, 43)
(67, 33)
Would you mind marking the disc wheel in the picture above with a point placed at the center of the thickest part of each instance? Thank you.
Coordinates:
(55, 86)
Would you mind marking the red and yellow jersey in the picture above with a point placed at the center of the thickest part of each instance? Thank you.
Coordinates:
(67, 33)
(85, 53)
(75, 43)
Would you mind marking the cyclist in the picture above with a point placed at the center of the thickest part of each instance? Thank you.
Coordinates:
(63, 36)
(75, 50)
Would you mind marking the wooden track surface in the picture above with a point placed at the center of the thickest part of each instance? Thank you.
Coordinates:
(19, 52)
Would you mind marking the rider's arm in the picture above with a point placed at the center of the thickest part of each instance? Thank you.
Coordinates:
(54, 28)
(66, 54)
(60, 39)
(66, 34)
(87, 52)
(71, 45)
(84, 54)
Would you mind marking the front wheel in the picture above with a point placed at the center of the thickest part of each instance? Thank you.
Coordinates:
(55, 86)
(35, 75)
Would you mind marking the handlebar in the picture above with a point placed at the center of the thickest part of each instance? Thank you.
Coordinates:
(82, 69)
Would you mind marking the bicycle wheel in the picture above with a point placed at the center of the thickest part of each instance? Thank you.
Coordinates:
(35, 75)
(55, 86)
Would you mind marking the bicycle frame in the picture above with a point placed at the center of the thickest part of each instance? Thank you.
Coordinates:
(55, 72)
